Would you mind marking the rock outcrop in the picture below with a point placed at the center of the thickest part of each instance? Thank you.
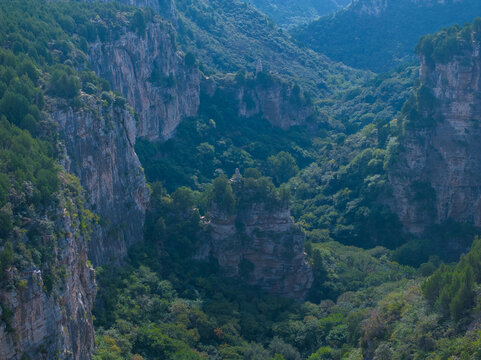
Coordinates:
(264, 247)
(438, 175)
(166, 8)
(154, 77)
(45, 321)
(56, 323)
(99, 142)
(282, 104)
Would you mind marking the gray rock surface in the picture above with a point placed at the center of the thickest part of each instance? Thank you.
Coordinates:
(268, 252)
(57, 324)
(99, 142)
(151, 73)
(444, 161)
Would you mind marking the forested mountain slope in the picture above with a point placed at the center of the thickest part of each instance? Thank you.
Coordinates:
(227, 36)
(291, 208)
(380, 34)
(288, 13)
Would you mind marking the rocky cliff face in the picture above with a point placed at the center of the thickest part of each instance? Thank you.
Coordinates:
(282, 104)
(370, 7)
(438, 176)
(154, 77)
(262, 246)
(99, 142)
(51, 324)
(277, 103)
(164, 7)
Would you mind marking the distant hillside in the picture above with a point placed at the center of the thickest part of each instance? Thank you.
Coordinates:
(379, 34)
(290, 13)
(228, 36)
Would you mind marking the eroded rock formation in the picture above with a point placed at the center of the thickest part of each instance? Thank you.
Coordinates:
(40, 322)
(164, 7)
(438, 176)
(99, 142)
(283, 105)
(154, 77)
(263, 246)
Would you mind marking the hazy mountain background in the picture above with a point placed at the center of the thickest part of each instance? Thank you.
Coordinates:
(289, 13)
(379, 34)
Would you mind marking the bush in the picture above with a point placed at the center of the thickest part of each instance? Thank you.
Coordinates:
(222, 195)
(138, 23)
(190, 60)
(63, 84)
(6, 256)
(282, 167)
(451, 291)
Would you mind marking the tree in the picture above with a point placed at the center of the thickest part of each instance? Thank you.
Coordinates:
(190, 60)
(47, 184)
(323, 353)
(287, 351)
(138, 23)
(222, 194)
(4, 187)
(6, 224)
(183, 199)
(282, 167)
(63, 84)
(6, 257)
(153, 344)
(252, 173)
(464, 297)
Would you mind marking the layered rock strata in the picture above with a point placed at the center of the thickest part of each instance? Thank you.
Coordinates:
(153, 75)
(438, 177)
(262, 246)
(43, 323)
(99, 142)
(282, 104)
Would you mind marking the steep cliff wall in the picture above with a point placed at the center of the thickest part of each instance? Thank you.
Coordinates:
(282, 104)
(262, 246)
(166, 8)
(45, 320)
(438, 175)
(278, 104)
(154, 77)
(99, 142)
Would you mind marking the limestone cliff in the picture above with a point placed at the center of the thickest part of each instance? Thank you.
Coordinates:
(164, 7)
(438, 173)
(47, 310)
(99, 141)
(261, 244)
(45, 320)
(283, 105)
(154, 77)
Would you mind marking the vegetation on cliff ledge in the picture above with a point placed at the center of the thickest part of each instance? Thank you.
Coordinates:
(378, 292)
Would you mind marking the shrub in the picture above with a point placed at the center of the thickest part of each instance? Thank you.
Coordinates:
(282, 167)
(223, 195)
(190, 60)
(63, 84)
